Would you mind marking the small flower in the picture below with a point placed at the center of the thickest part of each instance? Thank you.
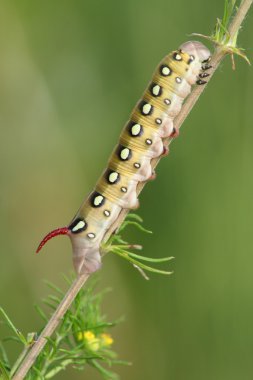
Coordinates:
(93, 342)
(89, 336)
(90, 340)
(106, 340)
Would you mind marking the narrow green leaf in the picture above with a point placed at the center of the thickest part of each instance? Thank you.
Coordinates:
(141, 265)
(68, 280)
(54, 287)
(3, 372)
(38, 372)
(48, 303)
(58, 368)
(54, 298)
(107, 374)
(11, 338)
(40, 312)
(51, 341)
(135, 224)
(4, 355)
(117, 239)
(12, 327)
(79, 361)
(103, 325)
(150, 259)
(134, 217)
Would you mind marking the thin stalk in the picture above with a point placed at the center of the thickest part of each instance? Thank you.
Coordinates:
(218, 56)
(238, 19)
(19, 361)
(51, 326)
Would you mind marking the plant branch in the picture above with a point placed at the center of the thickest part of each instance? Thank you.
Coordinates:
(236, 23)
(219, 53)
(51, 326)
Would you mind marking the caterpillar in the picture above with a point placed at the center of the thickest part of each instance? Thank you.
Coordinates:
(130, 163)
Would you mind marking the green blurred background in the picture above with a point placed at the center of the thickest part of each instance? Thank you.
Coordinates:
(70, 73)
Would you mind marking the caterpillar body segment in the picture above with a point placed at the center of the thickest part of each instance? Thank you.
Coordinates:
(130, 163)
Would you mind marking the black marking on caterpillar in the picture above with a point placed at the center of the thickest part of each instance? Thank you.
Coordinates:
(165, 70)
(124, 153)
(203, 75)
(191, 59)
(135, 129)
(155, 90)
(97, 199)
(200, 82)
(112, 176)
(177, 56)
(206, 67)
(145, 108)
(78, 225)
(158, 121)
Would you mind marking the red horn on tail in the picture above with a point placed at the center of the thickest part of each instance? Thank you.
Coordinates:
(50, 235)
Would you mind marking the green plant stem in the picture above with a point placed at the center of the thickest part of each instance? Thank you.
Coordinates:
(217, 57)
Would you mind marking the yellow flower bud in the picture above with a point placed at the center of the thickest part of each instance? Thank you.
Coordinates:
(88, 335)
(106, 340)
(91, 341)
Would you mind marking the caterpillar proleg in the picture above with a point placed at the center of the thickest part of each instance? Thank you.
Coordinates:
(130, 163)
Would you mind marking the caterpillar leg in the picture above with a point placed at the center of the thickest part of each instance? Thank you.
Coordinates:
(165, 151)
(175, 133)
(201, 82)
(206, 66)
(203, 73)
(153, 176)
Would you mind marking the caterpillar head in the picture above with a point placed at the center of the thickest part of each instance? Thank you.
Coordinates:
(86, 256)
(196, 49)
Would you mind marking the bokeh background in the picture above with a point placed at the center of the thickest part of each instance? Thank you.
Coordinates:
(70, 73)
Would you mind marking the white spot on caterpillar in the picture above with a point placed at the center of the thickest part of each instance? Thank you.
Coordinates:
(135, 130)
(98, 200)
(146, 108)
(124, 154)
(156, 90)
(137, 165)
(148, 142)
(158, 121)
(113, 177)
(78, 226)
(124, 189)
(91, 235)
(165, 71)
(107, 213)
(167, 101)
(178, 80)
(177, 57)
